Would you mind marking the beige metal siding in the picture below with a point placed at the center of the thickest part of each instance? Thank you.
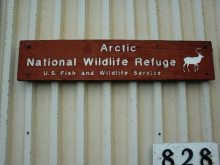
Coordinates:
(104, 122)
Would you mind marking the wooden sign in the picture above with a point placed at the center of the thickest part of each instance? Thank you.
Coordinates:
(115, 60)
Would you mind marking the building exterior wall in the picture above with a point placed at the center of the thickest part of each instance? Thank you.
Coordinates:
(98, 122)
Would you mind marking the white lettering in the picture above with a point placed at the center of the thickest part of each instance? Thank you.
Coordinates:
(67, 73)
(158, 63)
(133, 50)
(105, 62)
(117, 50)
(53, 73)
(45, 72)
(172, 62)
(45, 64)
(118, 59)
(30, 62)
(152, 61)
(146, 73)
(110, 48)
(135, 72)
(102, 72)
(38, 63)
(74, 61)
(48, 61)
(124, 62)
(104, 47)
(113, 61)
(123, 47)
(165, 64)
(146, 62)
(61, 72)
(69, 63)
(54, 62)
(61, 61)
(138, 60)
(116, 72)
(88, 61)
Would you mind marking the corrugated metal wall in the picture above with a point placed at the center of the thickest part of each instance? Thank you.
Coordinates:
(107, 123)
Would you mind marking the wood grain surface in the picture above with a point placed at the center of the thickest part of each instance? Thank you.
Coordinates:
(115, 60)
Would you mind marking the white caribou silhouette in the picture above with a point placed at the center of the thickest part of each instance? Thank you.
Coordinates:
(193, 60)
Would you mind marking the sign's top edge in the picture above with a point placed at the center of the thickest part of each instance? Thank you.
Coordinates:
(116, 40)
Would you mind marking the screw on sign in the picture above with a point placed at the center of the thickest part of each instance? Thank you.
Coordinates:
(28, 45)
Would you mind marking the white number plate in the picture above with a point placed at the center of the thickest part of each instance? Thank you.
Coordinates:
(185, 154)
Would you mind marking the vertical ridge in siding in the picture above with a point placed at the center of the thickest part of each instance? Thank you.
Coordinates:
(67, 132)
(169, 99)
(80, 94)
(158, 118)
(53, 123)
(212, 33)
(106, 120)
(5, 80)
(157, 87)
(132, 123)
(81, 18)
(192, 90)
(41, 123)
(54, 91)
(204, 86)
(3, 6)
(152, 9)
(93, 116)
(105, 19)
(217, 7)
(205, 111)
(80, 123)
(42, 99)
(106, 90)
(215, 94)
(17, 93)
(145, 92)
(132, 91)
(119, 92)
(181, 86)
(29, 88)
(28, 118)
(93, 93)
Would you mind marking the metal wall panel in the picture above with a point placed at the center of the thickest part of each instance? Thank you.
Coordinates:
(103, 122)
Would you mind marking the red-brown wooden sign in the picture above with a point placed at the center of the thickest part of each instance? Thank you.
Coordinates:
(115, 60)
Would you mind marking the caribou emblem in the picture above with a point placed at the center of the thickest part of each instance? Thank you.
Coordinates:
(193, 60)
